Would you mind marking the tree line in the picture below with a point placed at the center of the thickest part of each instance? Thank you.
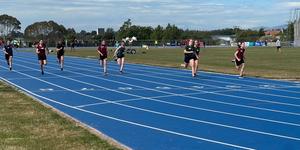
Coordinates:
(51, 32)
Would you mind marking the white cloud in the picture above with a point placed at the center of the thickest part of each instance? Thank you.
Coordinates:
(293, 4)
(196, 14)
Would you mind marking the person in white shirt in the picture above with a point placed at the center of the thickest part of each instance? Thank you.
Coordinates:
(278, 45)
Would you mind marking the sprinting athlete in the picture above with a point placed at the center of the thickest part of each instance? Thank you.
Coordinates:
(102, 50)
(60, 51)
(120, 54)
(41, 52)
(240, 59)
(8, 52)
(190, 56)
(197, 51)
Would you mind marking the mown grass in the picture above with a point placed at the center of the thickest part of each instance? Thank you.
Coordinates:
(27, 125)
(260, 61)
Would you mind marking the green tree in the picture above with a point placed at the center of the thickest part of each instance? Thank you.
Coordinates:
(157, 33)
(290, 32)
(172, 32)
(261, 32)
(9, 24)
(109, 34)
(124, 29)
(71, 34)
(48, 31)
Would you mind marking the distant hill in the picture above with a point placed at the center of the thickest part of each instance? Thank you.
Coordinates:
(270, 28)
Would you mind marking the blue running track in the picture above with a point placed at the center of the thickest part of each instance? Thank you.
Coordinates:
(149, 107)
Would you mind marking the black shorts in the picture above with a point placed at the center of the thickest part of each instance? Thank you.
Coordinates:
(120, 56)
(189, 56)
(238, 63)
(278, 47)
(42, 57)
(59, 54)
(7, 56)
(102, 57)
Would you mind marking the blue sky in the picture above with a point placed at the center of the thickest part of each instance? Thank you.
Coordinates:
(192, 14)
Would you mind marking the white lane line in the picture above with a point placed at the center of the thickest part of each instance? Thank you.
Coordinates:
(255, 87)
(198, 98)
(163, 88)
(198, 87)
(179, 71)
(184, 71)
(233, 86)
(132, 123)
(87, 89)
(46, 89)
(201, 79)
(125, 88)
(221, 94)
(267, 86)
(159, 113)
(226, 113)
(253, 99)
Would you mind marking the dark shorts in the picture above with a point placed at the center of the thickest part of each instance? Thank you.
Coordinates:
(238, 63)
(278, 47)
(188, 57)
(7, 56)
(59, 54)
(102, 57)
(120, 56)
(42, 57)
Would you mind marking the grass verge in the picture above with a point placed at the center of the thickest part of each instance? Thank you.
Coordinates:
(26, 124)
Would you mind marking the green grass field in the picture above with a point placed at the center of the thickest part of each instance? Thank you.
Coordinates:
(260, 61)
(27, 125)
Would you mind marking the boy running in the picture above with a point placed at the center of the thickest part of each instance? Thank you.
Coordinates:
(41, 52)
(119, 53)
(102, 50)
(60, 51)
(239, 59)
(8, 51)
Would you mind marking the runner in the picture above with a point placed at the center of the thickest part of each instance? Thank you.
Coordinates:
(102, 50)
(119, 53)
(60, 49)
(190, 56)
(240, 59)
(197, 48)
(41, 52)
(8, 51)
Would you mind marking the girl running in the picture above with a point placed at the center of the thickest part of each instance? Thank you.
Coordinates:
(197, 51)
(60, 51)
(8, 51)
(41, 52)
(102, 50)
(191, 57)
(119, 53)
(239, 58)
